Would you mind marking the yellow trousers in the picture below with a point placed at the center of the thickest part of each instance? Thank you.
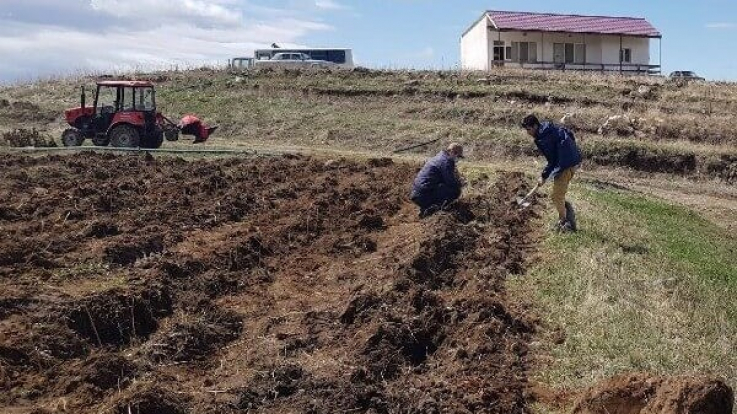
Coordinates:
(560, 188)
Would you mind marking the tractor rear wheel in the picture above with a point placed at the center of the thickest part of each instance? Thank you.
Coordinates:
(72, 138)
(153, 141)
(125, 136)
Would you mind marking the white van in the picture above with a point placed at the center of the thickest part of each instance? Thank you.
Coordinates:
(340, 58)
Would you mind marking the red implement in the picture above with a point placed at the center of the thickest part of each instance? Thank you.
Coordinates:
(191, 125)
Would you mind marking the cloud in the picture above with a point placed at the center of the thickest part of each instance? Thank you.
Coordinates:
(113, 36)
(210, 11)
(68, 13)
(721, 25)
(329, 5)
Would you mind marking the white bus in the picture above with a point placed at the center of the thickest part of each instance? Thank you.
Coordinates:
(341, 57)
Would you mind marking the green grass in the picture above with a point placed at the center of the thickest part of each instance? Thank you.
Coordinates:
(684, 237)
(644, 286)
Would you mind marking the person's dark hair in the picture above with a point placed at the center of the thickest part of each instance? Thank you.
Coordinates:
(530, 121)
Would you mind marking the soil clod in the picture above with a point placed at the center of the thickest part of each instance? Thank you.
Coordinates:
(643, 394)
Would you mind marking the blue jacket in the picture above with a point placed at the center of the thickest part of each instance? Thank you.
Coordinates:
(438, 170)
(558, 145)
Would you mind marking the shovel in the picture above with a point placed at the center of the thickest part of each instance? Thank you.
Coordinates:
(523, 202)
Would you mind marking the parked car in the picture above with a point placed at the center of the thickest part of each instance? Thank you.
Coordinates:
(292, 60)
(686, 75)
(241, 63)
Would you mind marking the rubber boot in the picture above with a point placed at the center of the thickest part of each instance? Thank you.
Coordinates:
(571, 216)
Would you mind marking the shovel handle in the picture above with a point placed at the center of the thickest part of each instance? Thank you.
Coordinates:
(532, 192)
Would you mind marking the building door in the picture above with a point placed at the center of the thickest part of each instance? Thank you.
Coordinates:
(524, 52)
(559, 53)
(570, 51)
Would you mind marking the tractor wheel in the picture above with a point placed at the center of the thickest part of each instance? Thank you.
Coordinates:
(72, 138)
(153, 141)
(125, 136)
(101, 140)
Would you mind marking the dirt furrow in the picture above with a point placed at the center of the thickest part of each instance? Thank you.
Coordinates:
(284, 284)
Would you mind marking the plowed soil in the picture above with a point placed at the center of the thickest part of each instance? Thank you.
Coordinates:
(287, 285)
(645, 394)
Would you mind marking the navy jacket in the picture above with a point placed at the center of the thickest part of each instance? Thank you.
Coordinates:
(438, 170)
(558, 145)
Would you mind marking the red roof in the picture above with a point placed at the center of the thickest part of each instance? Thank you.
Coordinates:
(130, 84)
(571, 23)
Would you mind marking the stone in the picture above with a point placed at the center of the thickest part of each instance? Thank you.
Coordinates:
(621, 124)
(644, 91)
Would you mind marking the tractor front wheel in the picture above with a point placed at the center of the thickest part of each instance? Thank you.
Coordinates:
(125, 136)
(72, 138)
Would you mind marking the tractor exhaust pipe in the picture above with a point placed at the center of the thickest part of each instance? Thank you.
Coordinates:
(84, 97)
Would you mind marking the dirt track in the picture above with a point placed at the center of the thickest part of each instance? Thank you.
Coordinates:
(287, 285)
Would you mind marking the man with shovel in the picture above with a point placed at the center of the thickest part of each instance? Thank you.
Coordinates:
(438, 183)
(558, 145)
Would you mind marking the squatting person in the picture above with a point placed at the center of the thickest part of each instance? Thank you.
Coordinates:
(438, 183)
(558, 145)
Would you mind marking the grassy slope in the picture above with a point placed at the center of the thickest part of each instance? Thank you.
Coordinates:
(645, 286)
(380, 111)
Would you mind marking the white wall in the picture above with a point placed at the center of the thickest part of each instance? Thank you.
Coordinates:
(474, 47)
(640, 49)
(594, 52)
(545, 43)
(599, 49)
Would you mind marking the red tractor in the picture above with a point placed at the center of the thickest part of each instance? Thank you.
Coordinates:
(124, 115)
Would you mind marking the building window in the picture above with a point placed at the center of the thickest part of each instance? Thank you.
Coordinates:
(498, 50)
(625, 56)
(524, 52)
(569, 53)
(508, 56)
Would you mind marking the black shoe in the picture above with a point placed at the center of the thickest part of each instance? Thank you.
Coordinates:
(567, 227)
(429, 211)
(571, 217)
(562, 227)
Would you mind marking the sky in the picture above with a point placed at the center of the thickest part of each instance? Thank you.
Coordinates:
(41, 38)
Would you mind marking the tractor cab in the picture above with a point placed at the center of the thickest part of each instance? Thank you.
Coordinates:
(116, 100)
(123, 114)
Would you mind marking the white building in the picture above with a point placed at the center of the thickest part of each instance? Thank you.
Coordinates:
(557, 41)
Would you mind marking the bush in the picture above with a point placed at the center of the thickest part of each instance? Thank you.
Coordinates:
(26, 138)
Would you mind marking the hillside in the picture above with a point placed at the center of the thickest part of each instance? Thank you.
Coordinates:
(299, 278)
(646, 124)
